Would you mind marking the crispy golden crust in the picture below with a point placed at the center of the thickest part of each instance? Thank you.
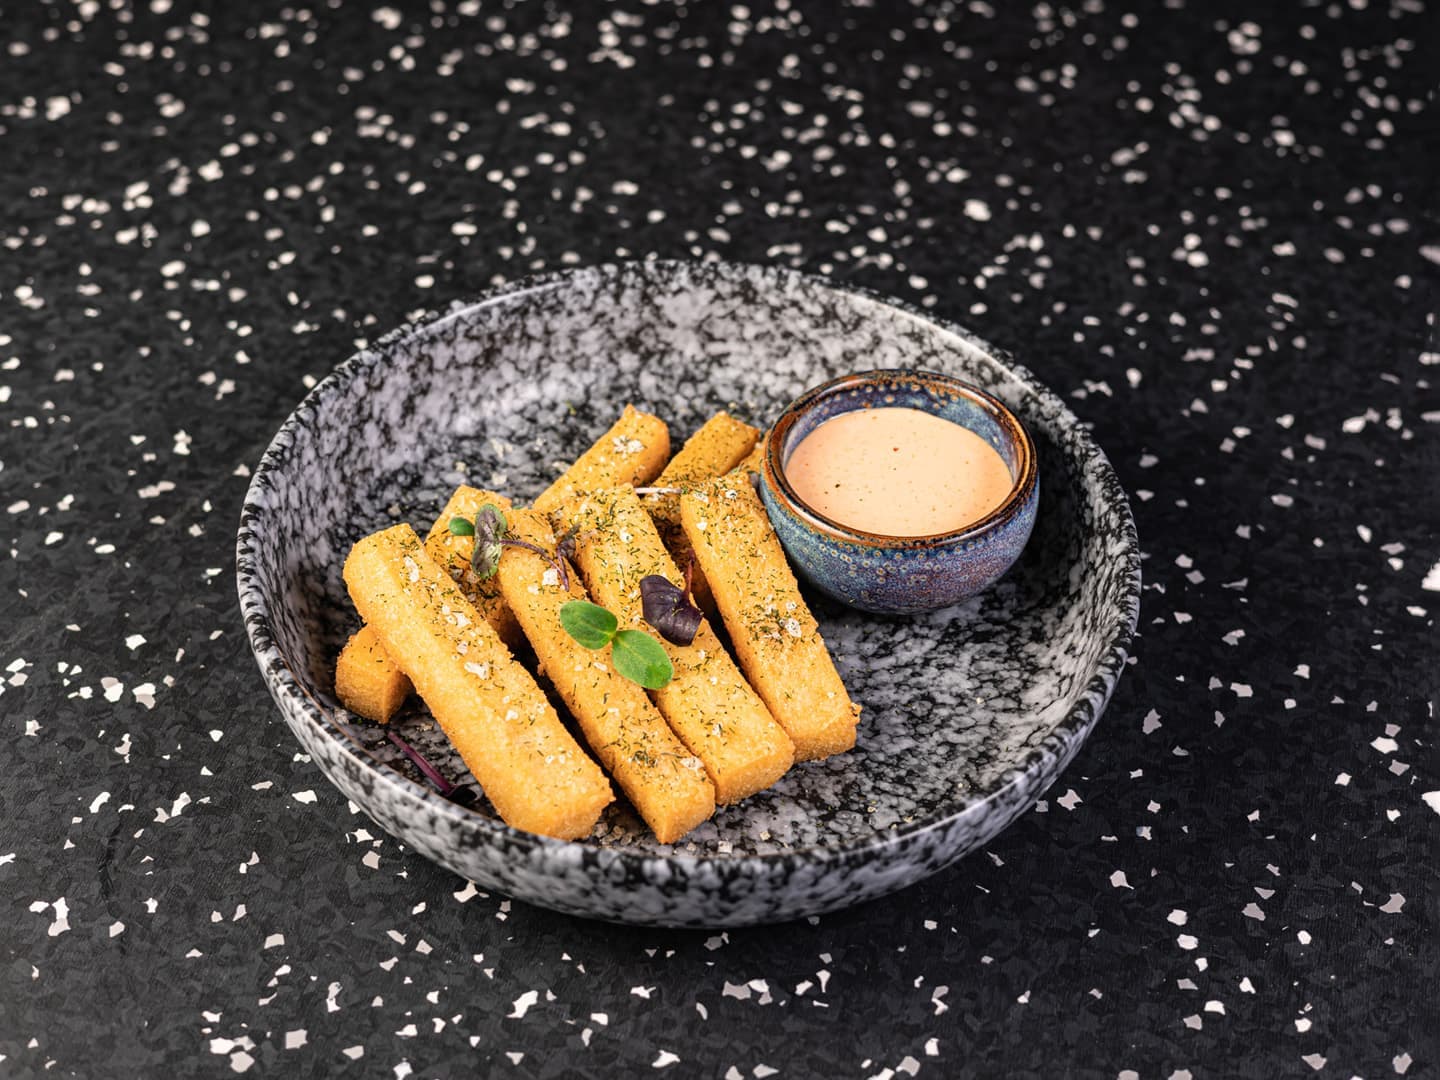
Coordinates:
(662, 779)
(753, 462)
(490, 707)
(633, 451)
(721, 444)
(453, 553)
(776, 638)
(367, 682)
(708, 704)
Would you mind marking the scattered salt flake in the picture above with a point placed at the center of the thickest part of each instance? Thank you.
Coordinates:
(1070, 799)
(1252, 911)
(1315, 1061)
(1394, 904)
(134, 641)
(1178, 917)
(664, 1058)
(274, 941)
(295, 1039)
(62, 918)
(1432, 579)
(1401, 1063)
(521, 1005)
(935, 996)
(1432, 800)
(1119, 881)
(307, 796)
(1385, 745)
(1187, 941)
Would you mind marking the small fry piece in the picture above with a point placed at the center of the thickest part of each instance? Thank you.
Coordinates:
(708, 703)
(367, 682)
(721, 443)
(776, 638)
(666, 784)
(633, 451)
(754, 461)
(453, 552)
(489, 706)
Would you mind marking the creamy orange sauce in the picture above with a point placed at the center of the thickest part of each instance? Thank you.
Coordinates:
(898, 472)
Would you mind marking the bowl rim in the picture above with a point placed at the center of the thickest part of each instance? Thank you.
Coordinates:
(1022, 487)
(295, 701)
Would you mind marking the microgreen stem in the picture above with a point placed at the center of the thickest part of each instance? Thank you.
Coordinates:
(431, 773)
(554, 560)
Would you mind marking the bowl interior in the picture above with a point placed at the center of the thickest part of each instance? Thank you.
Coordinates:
(504, 393)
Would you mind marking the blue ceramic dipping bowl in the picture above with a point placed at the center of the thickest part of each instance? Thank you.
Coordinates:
(897, 575)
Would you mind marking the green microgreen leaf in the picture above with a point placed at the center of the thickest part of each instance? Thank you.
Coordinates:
(641, 659)
(589, 624)
(460, 527)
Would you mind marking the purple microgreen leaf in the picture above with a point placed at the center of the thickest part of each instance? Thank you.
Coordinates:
(667, 608)
(490, 529)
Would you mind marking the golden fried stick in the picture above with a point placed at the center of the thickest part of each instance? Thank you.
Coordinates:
(662, 779)
(367, 682)
(633, 451)
(776, 638)
(453, 552)
(491, 709)
(719, 446)
(708, 703)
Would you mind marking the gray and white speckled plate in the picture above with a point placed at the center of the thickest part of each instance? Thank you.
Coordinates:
(969, 713)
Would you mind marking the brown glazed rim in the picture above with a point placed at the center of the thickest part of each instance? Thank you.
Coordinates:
(939, 385)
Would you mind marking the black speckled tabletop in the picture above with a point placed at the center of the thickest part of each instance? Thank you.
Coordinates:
(1204, 224)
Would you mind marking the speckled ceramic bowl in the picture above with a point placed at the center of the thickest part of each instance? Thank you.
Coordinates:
(970, 712)
(902, 575)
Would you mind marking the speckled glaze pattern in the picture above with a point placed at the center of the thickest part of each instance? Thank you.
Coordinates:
(890, 575)
(970, 712)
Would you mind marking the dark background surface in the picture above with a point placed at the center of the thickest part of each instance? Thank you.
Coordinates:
(1203, 224)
